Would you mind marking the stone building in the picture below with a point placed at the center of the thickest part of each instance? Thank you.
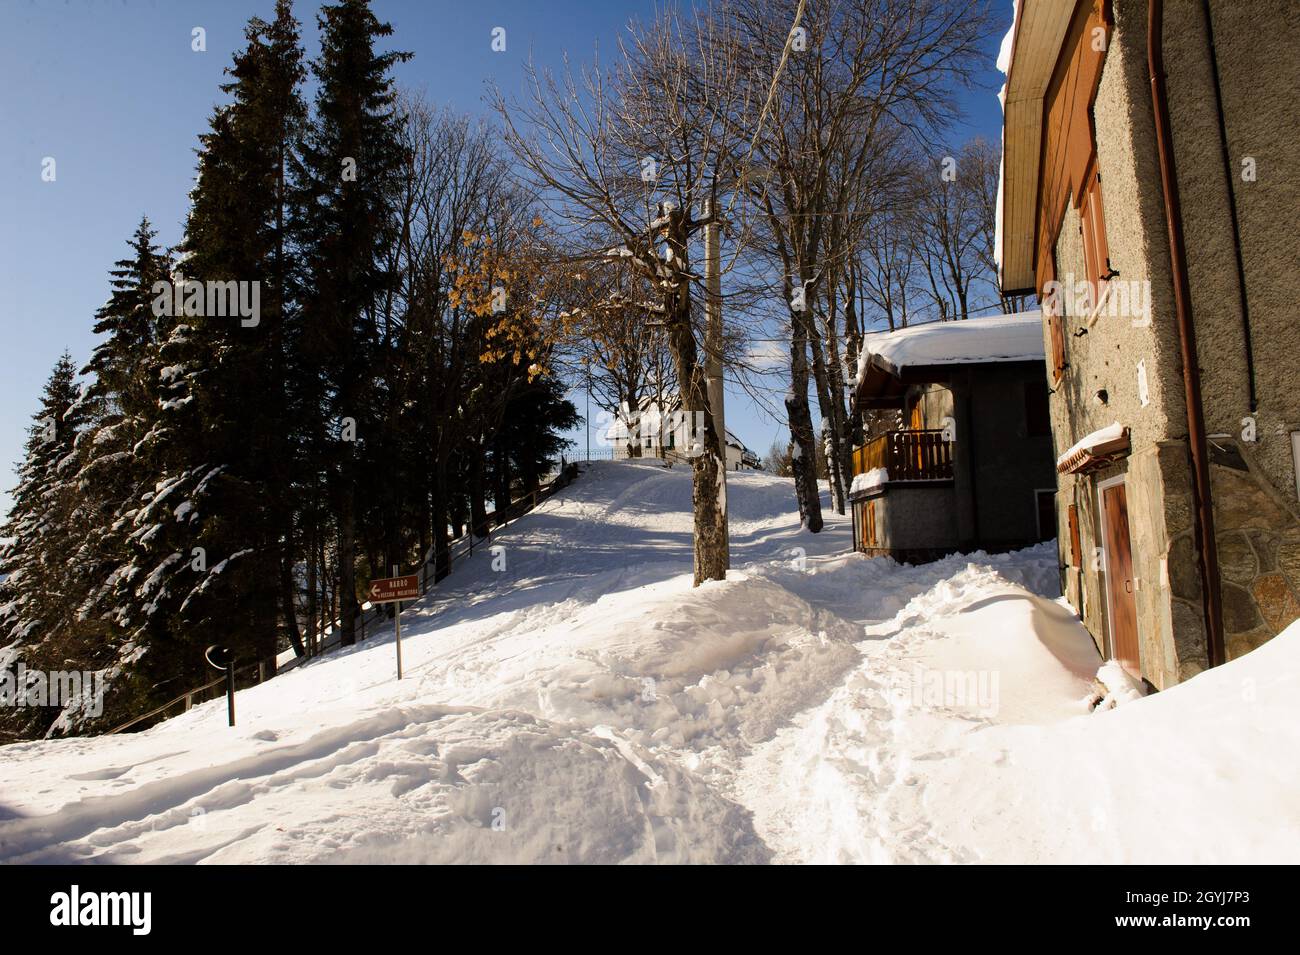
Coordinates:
(1149, 198)
(962, 459)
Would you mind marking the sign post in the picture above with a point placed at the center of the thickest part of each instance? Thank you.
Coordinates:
(397, 629)
(395, 589)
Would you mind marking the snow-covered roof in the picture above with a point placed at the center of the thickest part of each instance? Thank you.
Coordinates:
(1017, 337)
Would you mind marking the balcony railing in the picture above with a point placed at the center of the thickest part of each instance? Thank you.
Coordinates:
(920, 455)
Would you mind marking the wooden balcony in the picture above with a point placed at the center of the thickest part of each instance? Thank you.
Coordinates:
(921, 455)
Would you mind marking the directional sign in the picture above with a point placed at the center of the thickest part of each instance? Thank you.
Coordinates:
(386, 590)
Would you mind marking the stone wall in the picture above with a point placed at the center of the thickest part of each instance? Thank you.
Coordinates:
(1256, 44)
(916, 517)
(1259, 548)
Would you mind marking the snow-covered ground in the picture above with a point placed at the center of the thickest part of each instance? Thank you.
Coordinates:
(571, 698)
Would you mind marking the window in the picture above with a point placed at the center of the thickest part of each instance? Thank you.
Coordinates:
(1096, 253)
(1038, 421)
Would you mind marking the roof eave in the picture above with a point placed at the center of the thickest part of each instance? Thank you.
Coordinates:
(1036, 47)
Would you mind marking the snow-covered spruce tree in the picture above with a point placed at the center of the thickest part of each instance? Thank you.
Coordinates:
(33, 564)
(29, 590)
(109, 475)
(216, 533)
(348, 176)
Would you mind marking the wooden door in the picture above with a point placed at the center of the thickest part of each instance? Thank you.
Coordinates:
(1119, 579)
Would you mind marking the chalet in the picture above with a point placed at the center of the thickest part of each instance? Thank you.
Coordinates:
(1149, 196)
(963, 461)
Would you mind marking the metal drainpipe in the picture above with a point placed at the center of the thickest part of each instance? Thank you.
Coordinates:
(1203, 523)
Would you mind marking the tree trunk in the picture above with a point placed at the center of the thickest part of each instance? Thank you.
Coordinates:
(311, 589)
(826, 404)
(801, 431)
(501, 495)
(709, 496)
(289, 602)
(477, 493)
(708, 492)
(441, 542)
(347, 569)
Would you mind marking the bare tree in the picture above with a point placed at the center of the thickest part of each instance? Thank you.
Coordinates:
(645, 154)
(858, 75)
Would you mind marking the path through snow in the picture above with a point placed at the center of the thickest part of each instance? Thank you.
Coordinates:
(586, 704)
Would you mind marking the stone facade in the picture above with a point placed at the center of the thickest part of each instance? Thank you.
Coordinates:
(1128, 367)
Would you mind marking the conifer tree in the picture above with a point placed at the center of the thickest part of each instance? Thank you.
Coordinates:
(349, 175)
(219, 528)
(32, 564)
(122, 398)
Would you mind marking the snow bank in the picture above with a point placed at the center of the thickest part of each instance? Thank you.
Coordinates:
(572, 698)
(572, 707)
(1204, 772)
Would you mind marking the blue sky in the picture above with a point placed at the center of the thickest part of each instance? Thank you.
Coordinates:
(112, 90)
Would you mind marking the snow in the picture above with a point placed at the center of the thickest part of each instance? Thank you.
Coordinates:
(1004, 67)
(1112, 432)
(869, 479)
(1008, 41)
(1017, 337)
(1120, 686)
(587, 704)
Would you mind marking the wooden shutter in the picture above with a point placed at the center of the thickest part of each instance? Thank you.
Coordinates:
(1076, 552)
(1055, 325)
(1096, 252)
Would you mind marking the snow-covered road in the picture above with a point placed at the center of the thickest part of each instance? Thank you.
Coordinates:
(570, 697)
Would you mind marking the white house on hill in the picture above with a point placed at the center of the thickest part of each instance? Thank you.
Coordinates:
(651, 432)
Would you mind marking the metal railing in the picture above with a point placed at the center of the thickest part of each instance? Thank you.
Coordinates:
(915, 455)
(459, 549)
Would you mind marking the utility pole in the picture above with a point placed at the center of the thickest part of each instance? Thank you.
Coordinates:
(713, 358)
